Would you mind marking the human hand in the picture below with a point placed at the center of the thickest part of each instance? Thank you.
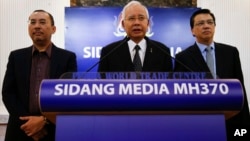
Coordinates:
(40, 135)
(33, 124)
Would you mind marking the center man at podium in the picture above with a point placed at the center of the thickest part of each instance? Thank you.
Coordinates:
(136, 52)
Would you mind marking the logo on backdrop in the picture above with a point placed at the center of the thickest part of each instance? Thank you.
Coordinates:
(118, 25)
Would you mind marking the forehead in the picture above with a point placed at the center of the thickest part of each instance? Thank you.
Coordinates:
(135, 10)
(39, 16)
(200, 17)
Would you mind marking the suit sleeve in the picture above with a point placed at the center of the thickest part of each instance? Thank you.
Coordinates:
(178, 67)
(238, 69)
(72, 64)
(10, 90)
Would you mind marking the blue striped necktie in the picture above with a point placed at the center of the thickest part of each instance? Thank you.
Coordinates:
(210, 60)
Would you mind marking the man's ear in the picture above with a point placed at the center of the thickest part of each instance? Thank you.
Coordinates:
(53, 29)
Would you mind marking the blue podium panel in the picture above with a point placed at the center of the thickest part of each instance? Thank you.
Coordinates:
(140, 128)
(77, 95)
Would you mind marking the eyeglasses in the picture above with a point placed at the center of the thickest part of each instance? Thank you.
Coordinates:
(201, 23)
(133, 19)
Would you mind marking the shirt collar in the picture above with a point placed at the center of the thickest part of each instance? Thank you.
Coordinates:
(48, 50)
(142, 44)
(202, 47)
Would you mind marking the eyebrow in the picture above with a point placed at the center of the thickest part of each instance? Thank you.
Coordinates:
(205, 20)
(37, 19)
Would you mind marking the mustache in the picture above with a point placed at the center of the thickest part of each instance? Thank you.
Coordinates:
(37, 32)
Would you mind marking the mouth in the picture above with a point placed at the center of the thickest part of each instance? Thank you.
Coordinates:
(206, 32)
(37, 33)
(136, 30)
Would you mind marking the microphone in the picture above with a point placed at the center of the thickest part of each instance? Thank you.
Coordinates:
(113, 50)
(157, 45)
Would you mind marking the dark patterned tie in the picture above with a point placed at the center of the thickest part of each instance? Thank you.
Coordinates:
(137, 60)
(210, 60)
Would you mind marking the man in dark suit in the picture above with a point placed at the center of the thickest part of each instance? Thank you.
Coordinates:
(119, 56)
(26, 69)
(226, 62)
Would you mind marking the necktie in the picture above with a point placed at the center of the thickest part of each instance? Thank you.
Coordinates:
(137, 60)
(210, 60)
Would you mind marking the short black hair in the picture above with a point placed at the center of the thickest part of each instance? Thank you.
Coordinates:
(200, 11)
(50, 16)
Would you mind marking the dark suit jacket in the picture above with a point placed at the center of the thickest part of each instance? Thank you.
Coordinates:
(228, 65)
(16, 86)
(115, 57)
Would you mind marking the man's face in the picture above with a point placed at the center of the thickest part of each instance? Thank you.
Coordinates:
(135, 22)
(40, 28)
(204, 28)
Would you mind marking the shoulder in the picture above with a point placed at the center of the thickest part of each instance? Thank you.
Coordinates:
(56, 49)
(157, 43)
(224, 46)
(21, 52)
(113, 45)
(188, 50)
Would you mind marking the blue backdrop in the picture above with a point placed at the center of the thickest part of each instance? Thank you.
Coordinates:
(88, 29)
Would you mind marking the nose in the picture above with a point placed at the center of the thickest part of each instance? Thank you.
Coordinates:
(38, 24)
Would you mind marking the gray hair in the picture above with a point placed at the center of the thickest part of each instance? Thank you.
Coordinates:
(133, 3)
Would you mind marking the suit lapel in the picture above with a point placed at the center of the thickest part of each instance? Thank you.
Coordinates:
(54, 59)
(148, 54)
(126, 57)
(219, 59)
(27, 65)
(197, 57)
(126, 54)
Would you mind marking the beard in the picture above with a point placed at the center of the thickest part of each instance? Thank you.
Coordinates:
(40, 41)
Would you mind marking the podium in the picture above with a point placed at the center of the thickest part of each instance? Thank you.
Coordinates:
(158, 109)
